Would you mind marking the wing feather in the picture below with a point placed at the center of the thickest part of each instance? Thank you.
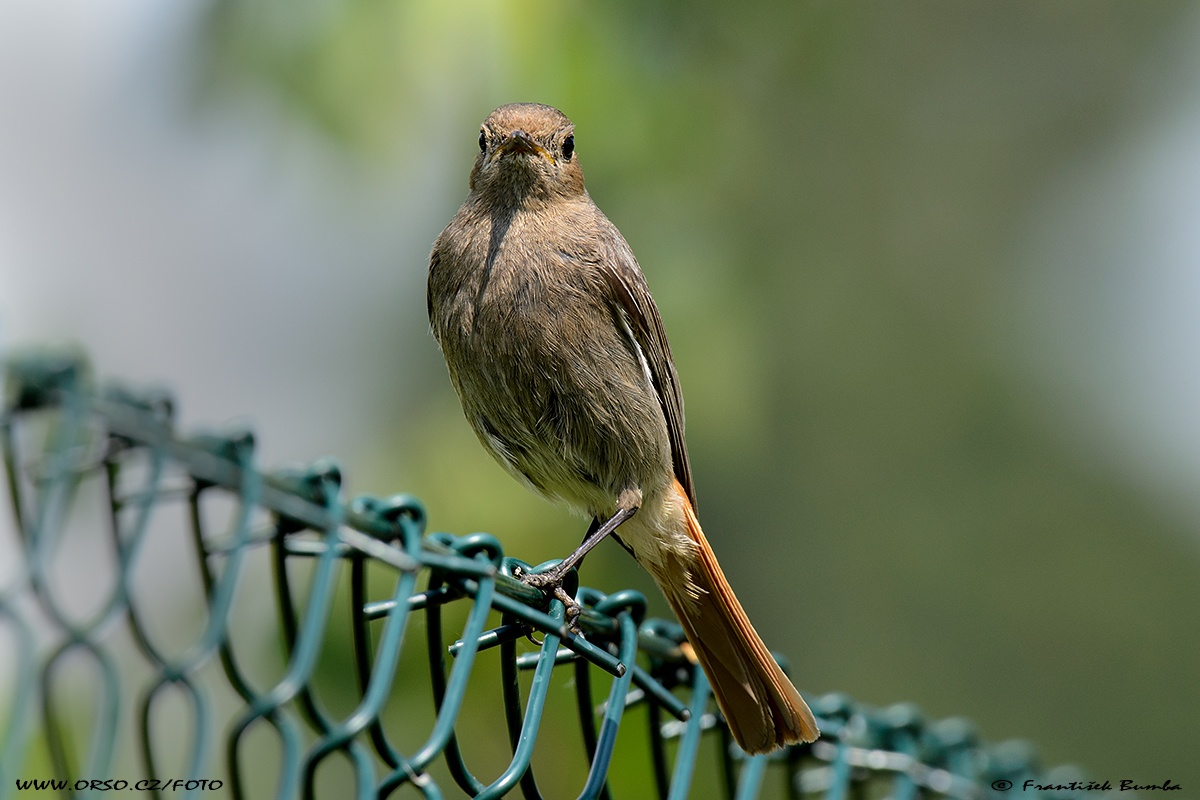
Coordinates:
(633, 299)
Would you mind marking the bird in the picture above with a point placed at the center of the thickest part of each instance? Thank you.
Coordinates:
(559, 357)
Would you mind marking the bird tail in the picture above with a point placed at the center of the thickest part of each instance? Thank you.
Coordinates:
(763, 709)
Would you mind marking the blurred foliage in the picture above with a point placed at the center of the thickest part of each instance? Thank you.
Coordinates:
(828, 200)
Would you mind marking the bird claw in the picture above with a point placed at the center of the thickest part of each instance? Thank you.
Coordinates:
(552, 583)
(573, 610)
(541, 580)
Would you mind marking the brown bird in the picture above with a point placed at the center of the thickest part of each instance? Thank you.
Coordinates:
(559, 357)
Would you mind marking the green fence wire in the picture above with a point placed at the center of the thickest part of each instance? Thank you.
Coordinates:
(61, 434)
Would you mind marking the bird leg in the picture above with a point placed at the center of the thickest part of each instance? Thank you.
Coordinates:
(552, 579)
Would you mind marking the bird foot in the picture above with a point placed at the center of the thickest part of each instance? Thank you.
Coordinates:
(551, 582)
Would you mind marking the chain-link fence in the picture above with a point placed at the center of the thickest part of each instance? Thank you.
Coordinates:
(198, 717)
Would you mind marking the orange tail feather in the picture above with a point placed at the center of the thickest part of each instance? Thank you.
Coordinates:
(763, 709)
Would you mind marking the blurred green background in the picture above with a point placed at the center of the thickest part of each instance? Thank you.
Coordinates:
(931, 274)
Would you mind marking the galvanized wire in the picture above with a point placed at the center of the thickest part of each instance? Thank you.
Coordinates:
(58, 432)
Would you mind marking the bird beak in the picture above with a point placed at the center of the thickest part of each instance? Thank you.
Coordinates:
(521, 142)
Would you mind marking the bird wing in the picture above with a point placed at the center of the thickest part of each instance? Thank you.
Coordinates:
(632, 295)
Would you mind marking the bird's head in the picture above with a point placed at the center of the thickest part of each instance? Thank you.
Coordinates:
(527, 151)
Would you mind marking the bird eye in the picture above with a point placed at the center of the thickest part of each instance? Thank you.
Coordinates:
(568, 147)
(482, 141)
